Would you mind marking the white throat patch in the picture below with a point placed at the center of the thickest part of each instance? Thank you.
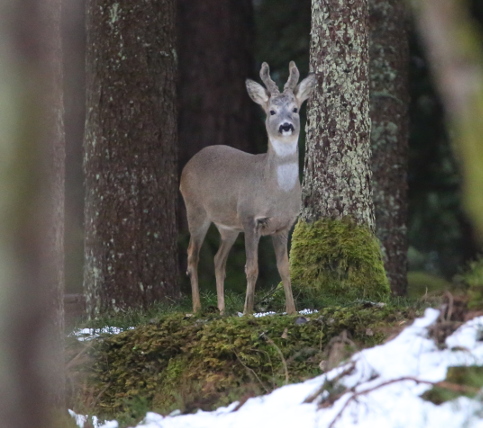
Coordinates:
(287, 175)
(284, 149)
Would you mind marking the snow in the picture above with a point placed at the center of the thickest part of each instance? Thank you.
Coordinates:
(388, 380)
(85, 334)
(264, 314)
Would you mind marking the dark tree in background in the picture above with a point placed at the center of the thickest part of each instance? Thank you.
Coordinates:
(74, 49)
(333, 247)
(216, 46)
(216, 42)
(283, 35)
(130, 155)
(457, 61)
(389, 60)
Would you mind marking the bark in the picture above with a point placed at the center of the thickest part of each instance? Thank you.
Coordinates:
(31, 208)
(389, 133)
(130, 159)
(337, 179)
(56, 143)
(216, 42)
(334, 249)
(74, 53)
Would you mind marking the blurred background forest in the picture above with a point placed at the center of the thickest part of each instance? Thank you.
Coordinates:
(218, 47)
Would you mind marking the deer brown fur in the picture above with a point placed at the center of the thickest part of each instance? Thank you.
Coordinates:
(255, 194)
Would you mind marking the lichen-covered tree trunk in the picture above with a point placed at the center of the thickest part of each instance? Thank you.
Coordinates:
(130, 159)
(334, 249)
(389, 133)
(216, 43)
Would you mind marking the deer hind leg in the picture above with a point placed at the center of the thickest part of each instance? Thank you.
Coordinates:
(280, 246)
(228, 238)
(198, 224)
(252, 237)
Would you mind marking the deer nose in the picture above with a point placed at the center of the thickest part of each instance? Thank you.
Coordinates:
(285, 127)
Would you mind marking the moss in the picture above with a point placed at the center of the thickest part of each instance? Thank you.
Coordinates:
(473, 278)
(470, 377)
(338, 257)
(192, 362)
(421, 283)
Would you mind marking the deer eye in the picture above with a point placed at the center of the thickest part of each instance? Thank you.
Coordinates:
(295, 110)
(272, 112)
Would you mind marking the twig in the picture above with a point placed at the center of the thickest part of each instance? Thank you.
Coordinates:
(319, 391)
(449, 310)
(281, 356)
(443, 384)
(270, 293)
(101, 393)
(251, 372)
(82, 352)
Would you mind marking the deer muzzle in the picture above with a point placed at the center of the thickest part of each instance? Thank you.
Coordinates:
(286, 129)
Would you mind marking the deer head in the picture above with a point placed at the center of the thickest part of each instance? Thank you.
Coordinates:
(282, 109)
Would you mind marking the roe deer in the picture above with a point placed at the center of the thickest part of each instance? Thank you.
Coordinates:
(255, 194)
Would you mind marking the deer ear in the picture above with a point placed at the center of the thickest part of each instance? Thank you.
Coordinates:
(257, 92)
(305, 88)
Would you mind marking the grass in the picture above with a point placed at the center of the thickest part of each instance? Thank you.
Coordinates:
(268, 300)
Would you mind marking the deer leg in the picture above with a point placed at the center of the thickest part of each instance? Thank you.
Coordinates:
(252, 236)
(198, 226)
(228, 238)
(280, 246)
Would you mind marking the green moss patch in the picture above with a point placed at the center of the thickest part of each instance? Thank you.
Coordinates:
(202, 362)
(473, 278)
(459, 381)
(338, 257)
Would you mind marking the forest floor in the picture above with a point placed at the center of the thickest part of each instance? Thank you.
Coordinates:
(362, 364)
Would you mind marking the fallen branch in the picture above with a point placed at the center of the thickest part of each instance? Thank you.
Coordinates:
(281, 356)
(79, 354)
(251, 372)
(442, 384)
(319, 391)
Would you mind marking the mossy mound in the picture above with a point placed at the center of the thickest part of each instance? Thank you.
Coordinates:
(191, 362)
(338, 257)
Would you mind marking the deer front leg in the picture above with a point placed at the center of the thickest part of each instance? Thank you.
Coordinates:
(280, 246)
(252, 236)
(228, 238)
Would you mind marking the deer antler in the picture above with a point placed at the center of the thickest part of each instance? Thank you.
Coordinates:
(293, 78)
(267, 80)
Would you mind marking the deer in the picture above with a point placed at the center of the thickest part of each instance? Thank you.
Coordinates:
(259, 195)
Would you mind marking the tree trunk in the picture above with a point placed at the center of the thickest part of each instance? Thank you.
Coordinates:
(31, 209)
(389, 133)
(334, 249)
(456, 60)
(130, 159)
(74, 53)
(216, 55)
(216, 42)
(54, 100)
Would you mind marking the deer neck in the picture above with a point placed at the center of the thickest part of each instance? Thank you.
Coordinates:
(283, 162)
